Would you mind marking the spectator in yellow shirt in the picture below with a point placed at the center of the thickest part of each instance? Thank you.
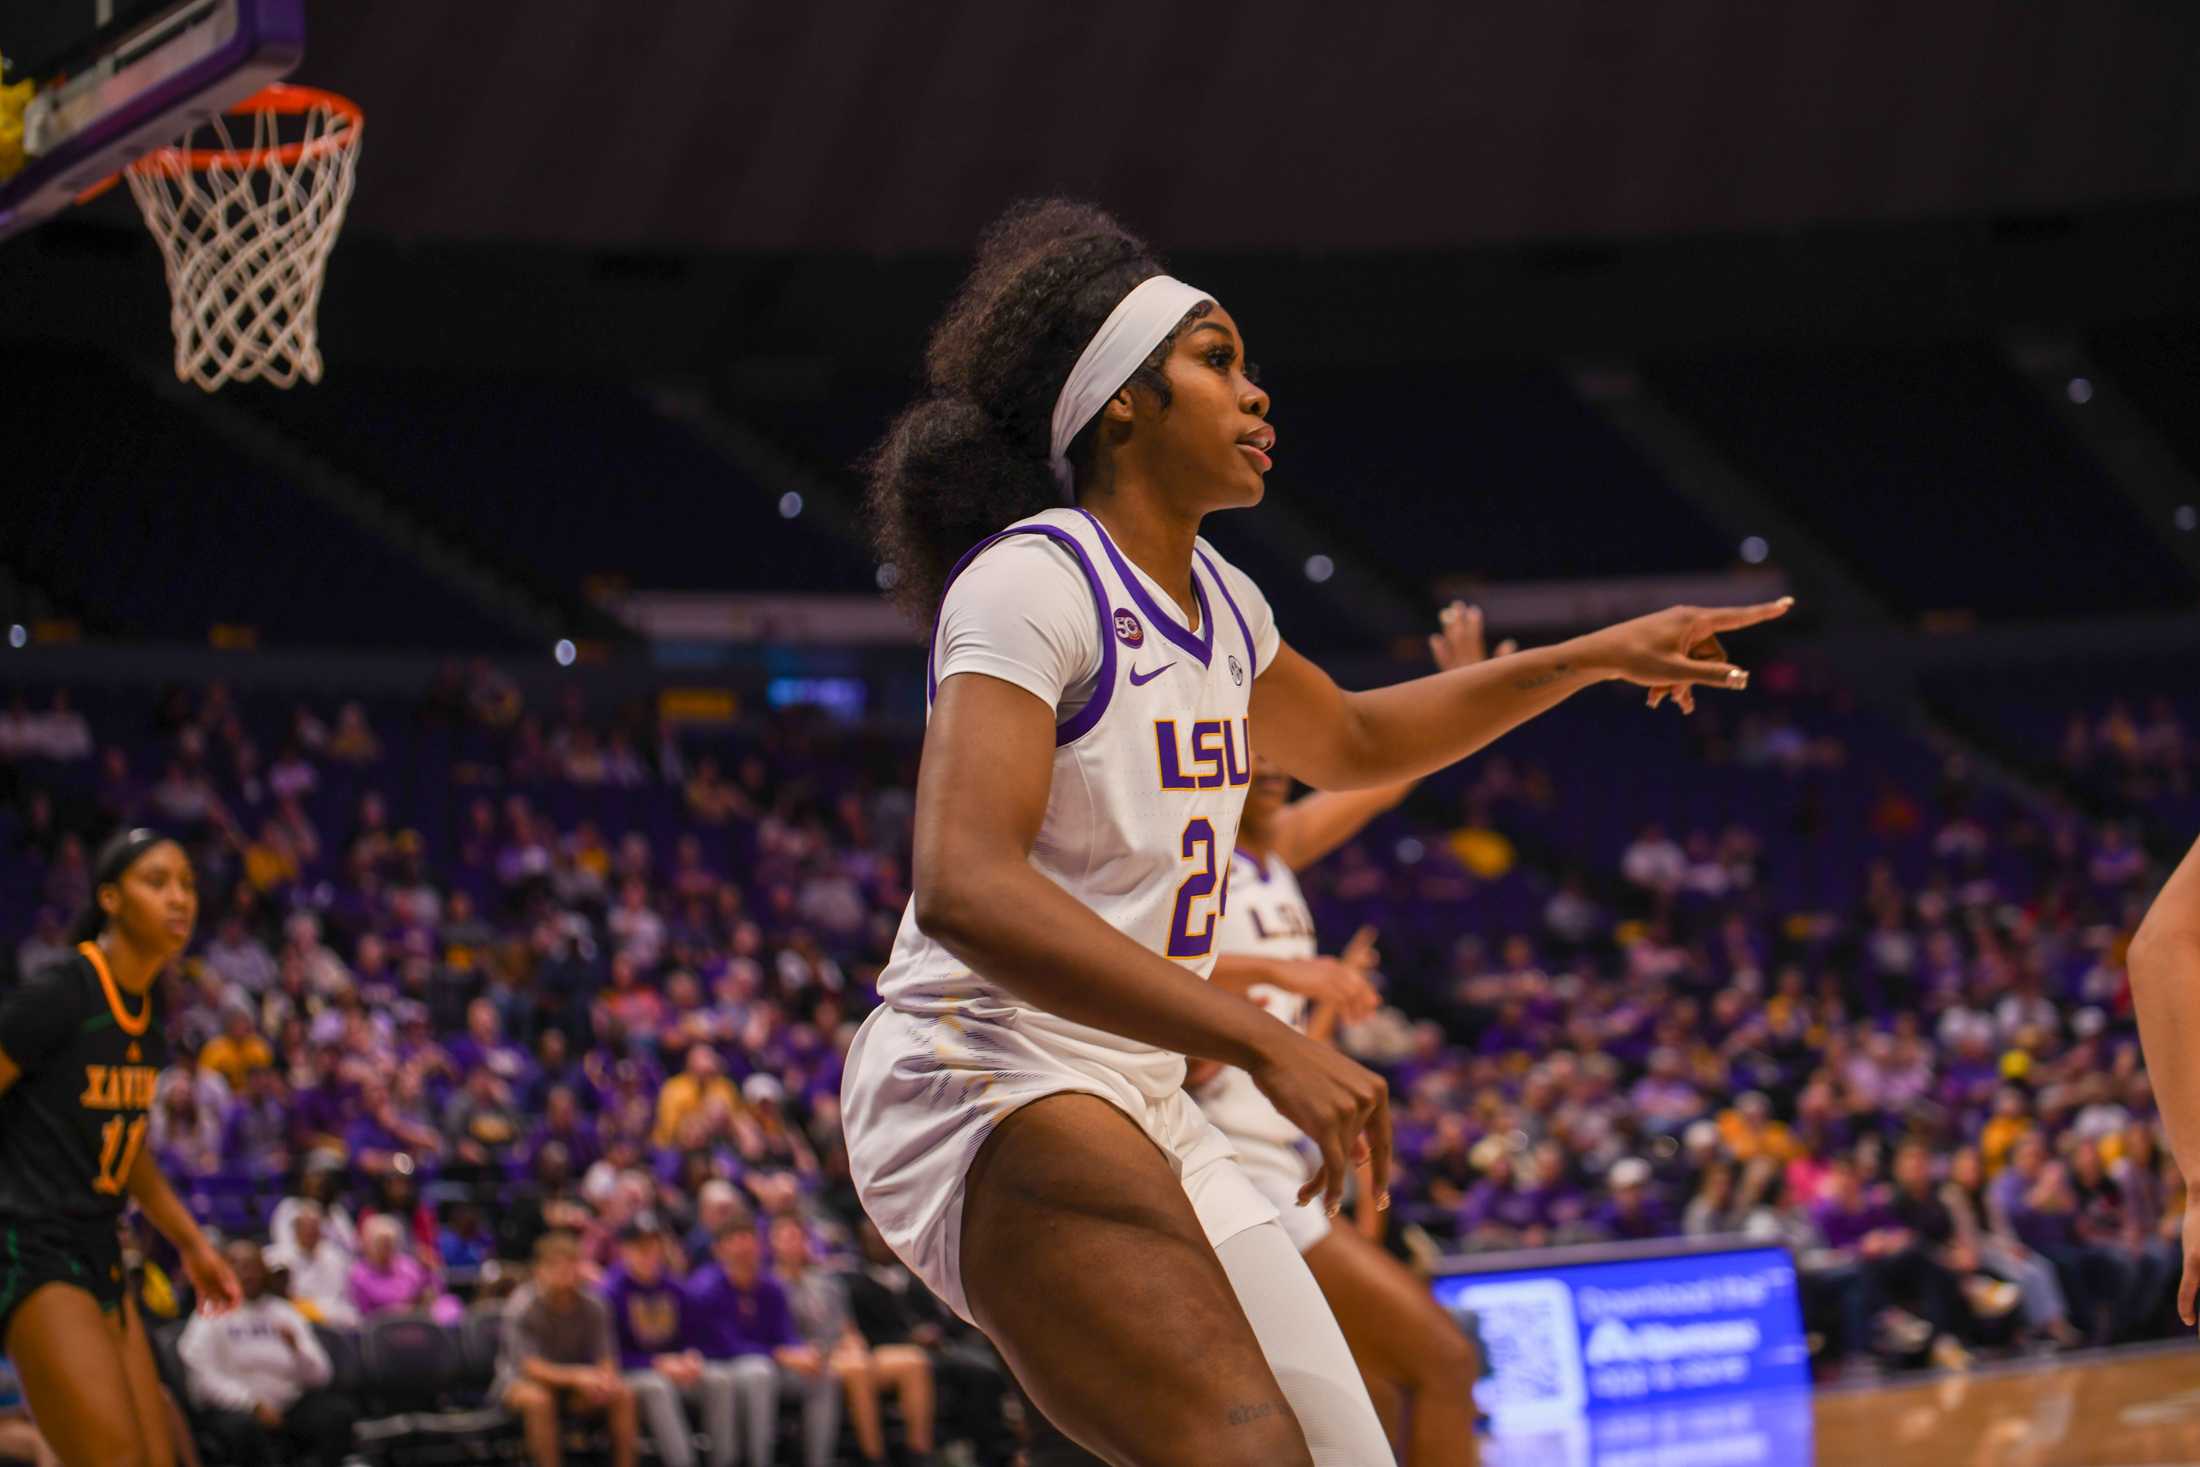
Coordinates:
(238, 1050)
(1749, 1130)
(2012, 1119)
(702, 1084)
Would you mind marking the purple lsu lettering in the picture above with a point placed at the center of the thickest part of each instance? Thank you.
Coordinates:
(1218, 752)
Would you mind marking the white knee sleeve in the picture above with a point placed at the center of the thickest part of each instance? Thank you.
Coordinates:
(1305, 1348)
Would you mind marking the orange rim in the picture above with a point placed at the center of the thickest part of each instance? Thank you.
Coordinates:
(283, 99)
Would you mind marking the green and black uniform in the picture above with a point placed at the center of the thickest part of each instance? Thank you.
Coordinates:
(71, 1127)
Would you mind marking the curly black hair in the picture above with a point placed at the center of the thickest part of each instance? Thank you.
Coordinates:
(970, 456)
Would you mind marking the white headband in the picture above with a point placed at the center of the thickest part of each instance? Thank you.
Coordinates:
(1133, 329)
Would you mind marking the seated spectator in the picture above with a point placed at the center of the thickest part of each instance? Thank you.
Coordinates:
(319, 1186)
(1749, 1130)
(256, 1131)
(1634, 1211)
(353, 741)
(1654, 862)
(718, 1205)
(556, 1069)
(564, 1125)
(660, 1351)
(262, 1377)
(2032, 1204)
(388, 1126)
(1712, 1209)
(894, 1311)
(820, 1303)
(484, 1047)
(1664, 1098)
(464, 1242)
(318, 1268)
(636, 929)
(1999, 1253)
(765, 1138)
(745, 1313)
(2106, 1222)
(1932, 1269)
(481, 1124)
(631, 1004)
(187, 1129)
(559, 1357)
(2012, 1119)
(711, 798)
(238, 1050)
(387, 1279)
(699, 1087)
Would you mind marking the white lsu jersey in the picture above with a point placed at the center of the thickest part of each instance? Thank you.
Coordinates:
(1151, 760)
(1267, 918)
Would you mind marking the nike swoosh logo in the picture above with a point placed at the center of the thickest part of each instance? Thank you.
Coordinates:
(1140, 679)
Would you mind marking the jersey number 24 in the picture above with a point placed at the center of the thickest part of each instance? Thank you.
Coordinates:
(1196, 894)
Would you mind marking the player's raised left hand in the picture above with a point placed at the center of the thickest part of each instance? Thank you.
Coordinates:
(210, 1274)
(1460, 641)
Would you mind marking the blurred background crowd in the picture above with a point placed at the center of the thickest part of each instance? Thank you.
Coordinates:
(471, 974)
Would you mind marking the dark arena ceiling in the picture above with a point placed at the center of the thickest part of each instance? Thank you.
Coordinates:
(876, 127)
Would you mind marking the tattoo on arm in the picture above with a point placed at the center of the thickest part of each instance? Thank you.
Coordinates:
(1536, 680)
(1244, 1415)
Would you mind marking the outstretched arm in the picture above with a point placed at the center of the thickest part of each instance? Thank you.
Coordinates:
(2165, 989)
(1312, 826)
(1336, 740)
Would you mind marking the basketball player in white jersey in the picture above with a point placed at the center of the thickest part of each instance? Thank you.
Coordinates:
(1015, 1116)
(2165, 990)
(1413, 1356)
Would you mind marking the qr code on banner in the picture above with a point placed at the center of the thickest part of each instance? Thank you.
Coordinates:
(1532, 1344)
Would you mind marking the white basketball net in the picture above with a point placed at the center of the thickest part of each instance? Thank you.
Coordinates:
(246, 239)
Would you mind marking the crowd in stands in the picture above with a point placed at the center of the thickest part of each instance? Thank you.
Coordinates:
(544, 1013)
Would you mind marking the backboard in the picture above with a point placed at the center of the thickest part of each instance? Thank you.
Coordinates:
(112, 79)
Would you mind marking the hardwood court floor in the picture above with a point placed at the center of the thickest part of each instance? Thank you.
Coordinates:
(2130, 1409)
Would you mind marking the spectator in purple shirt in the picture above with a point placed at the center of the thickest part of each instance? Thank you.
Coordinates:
(658, 1336)
(388, 1280)
(2095, 1279)
(563, 1123)
(484, 1047)
(256, 1132)
(745, 1313)
(1634, 1211)
(1851, 1218)
(322, 1111)
(381, 1131)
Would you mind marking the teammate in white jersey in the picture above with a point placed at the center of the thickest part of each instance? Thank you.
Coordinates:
(1419, 1368)
(1417, 1364)
(1014, 1113)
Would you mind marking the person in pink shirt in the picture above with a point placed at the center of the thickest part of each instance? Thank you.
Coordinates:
(388, 1280)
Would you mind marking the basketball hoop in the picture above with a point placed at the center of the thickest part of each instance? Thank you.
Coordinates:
(245, 229)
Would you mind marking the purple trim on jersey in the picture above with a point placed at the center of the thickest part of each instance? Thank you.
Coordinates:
(1169, 623)
(1258, 864)
(1251, 656)
(1102, 690)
